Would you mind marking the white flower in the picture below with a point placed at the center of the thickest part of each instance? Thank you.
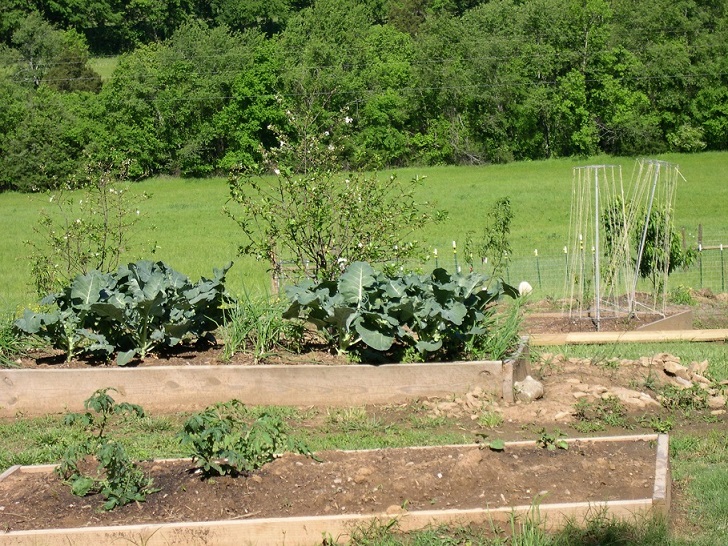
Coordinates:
(277, 171)
(348, 120)
(137, 212)
(331, 147)
(51, 199)
(326, 133)
(524, 288)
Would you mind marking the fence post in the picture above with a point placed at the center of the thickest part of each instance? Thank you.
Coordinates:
(722, 270)
(538, 268)
(700, 262)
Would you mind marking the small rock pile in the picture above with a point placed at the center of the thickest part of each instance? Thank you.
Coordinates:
(663, 369)
(474, 401)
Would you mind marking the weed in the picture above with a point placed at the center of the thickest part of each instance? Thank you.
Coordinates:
(657, 423)
(352, 420)
(681, 295)
(428, 421)
(602, 412)
(12, 345)
(490, 419)
(685, 399)
(552, 440)
(256, 326)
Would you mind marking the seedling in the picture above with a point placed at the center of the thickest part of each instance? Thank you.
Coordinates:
(495, 444)
(552, 440)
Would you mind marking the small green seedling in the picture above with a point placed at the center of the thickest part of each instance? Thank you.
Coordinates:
(552, 440)
(495, 444)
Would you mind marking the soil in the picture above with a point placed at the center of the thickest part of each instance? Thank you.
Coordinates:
(364, 482)
(423, 478)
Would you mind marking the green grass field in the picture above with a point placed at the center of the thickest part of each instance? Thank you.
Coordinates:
(184, 225)
(104, 66)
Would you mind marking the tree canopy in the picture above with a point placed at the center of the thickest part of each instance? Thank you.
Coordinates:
(203, 87)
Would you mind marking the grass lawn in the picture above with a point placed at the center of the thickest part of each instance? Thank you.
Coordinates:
(184, 224)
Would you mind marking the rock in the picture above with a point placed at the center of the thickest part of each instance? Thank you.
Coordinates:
(579, 394)
(647, 399)
(700, 379)
(675, 369)
(562, 415)
(699, 367)
(716, 402)
(681, 382)
(528, 390)
(718, 412)
(666, 357)
(363, 474)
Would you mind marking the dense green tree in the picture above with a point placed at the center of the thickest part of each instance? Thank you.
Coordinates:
(321, 44)
(382, 113)
(46, 145)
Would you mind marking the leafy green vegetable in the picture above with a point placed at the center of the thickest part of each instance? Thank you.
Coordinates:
(140, 307)
(433, 313)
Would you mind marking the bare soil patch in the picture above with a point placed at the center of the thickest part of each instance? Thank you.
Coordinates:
(365, 482)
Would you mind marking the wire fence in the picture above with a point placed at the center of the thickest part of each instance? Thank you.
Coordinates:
(547, 270)
(548, 273)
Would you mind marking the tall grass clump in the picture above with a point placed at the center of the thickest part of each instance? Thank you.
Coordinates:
(255, 326)
(12, 343)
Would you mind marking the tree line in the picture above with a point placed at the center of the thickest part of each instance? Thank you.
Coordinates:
(204, 87)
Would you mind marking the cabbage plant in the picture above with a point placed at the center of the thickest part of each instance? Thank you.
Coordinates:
(137, 309)
(436, 313)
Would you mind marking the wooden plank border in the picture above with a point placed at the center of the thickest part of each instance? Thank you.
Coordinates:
(310, 530)
(191, 388)
(641, 336)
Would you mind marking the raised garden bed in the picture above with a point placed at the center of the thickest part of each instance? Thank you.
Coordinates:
(296, 500)
(193, 387)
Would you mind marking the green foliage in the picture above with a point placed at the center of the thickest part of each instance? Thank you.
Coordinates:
(662, 253)
(595, 415)
(684, 399)
(222, 442)
(83, 232)
(438, 313)
(98, 464)
(681, 295)
(139, 308)
(12, 344)
(552, 440)
(493, 245)
(316, 220)
(47, 136)
(255, 325)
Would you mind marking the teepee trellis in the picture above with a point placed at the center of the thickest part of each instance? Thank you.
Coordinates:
(610, 228)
